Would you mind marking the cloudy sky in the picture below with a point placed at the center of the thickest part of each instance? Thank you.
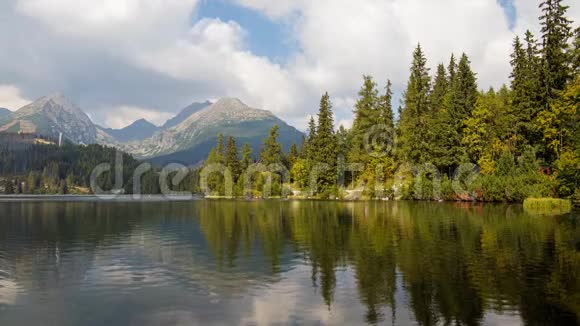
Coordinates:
(121, 60)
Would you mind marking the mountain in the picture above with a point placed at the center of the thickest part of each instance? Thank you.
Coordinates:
(4, 112)
(50, 116)
(190, 141)
(185, 113)
(138, 130)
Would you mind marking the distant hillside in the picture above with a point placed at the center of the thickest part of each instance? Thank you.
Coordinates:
(185, 113)
(190, 141)
(4, 112)
(51, 116)
(138, 130)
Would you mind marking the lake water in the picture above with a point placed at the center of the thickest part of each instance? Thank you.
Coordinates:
(285, 262)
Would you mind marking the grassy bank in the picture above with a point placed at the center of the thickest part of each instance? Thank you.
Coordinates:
(547, 205)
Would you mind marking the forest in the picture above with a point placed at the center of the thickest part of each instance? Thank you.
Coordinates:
(451, 139)
(519, 141)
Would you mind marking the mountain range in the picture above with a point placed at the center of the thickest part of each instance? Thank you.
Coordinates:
(186, 138)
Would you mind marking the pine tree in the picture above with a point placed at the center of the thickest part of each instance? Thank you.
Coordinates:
(247, 159)
(555, 34)
(325, 144)
(220, 149)
(293, 155)
(526, 92)
(440, 145)
(366, 115)
(271, 149)
(415, 116)
(464, 90)
(452, 69)
(440, 89)
(232, 160)
(307, 148)
(576, 53)
(385, 108)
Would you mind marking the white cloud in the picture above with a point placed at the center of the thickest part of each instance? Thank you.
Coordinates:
(11, 98)
(125, 115)
(145, 53)
(123, 22)
(214, 53)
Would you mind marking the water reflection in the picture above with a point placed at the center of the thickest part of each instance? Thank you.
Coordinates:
(237, 262)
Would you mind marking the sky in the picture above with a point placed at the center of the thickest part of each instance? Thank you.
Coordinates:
(122, 60)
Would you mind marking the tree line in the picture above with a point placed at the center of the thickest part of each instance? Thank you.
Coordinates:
(523, 139)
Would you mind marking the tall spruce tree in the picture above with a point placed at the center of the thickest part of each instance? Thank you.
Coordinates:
(415, 115)
(271, 149)
(366, 115)
(555, 34)
(325, 144)
(464, 91)
(440, 145)
(247, 159)
(385, 109)
(576, 52)
(308, 146)
(293, 155)
(526, 92)
(220, 149)
(232, 159)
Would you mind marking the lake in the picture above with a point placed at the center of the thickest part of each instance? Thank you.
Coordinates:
(285, 262)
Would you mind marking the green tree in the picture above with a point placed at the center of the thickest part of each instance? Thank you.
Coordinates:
(559, 123)
(415, 115)
(220, 149)
(271, 149)
(232, 159)
(556, 31)
(307, 148)
(366, 116)
(526, 92)
(385, 110)
(293, 155)
(247, 159)
(464, 91)
(326, 146)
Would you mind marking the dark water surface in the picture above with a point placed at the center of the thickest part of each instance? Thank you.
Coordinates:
(273, 262)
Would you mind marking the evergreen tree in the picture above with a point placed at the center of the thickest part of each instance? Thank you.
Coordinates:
(232, 160)
(442, 134)
(271, 149)
(576, 53)
(247, 159)
(526, 92)
(307, 147)
(464, 91)
(415, 116)
(385, 108)
(560, 123)
(326, 146)
(440, 89)
(220, 149)
(555, 34)
(366, 115)
(293, 155)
